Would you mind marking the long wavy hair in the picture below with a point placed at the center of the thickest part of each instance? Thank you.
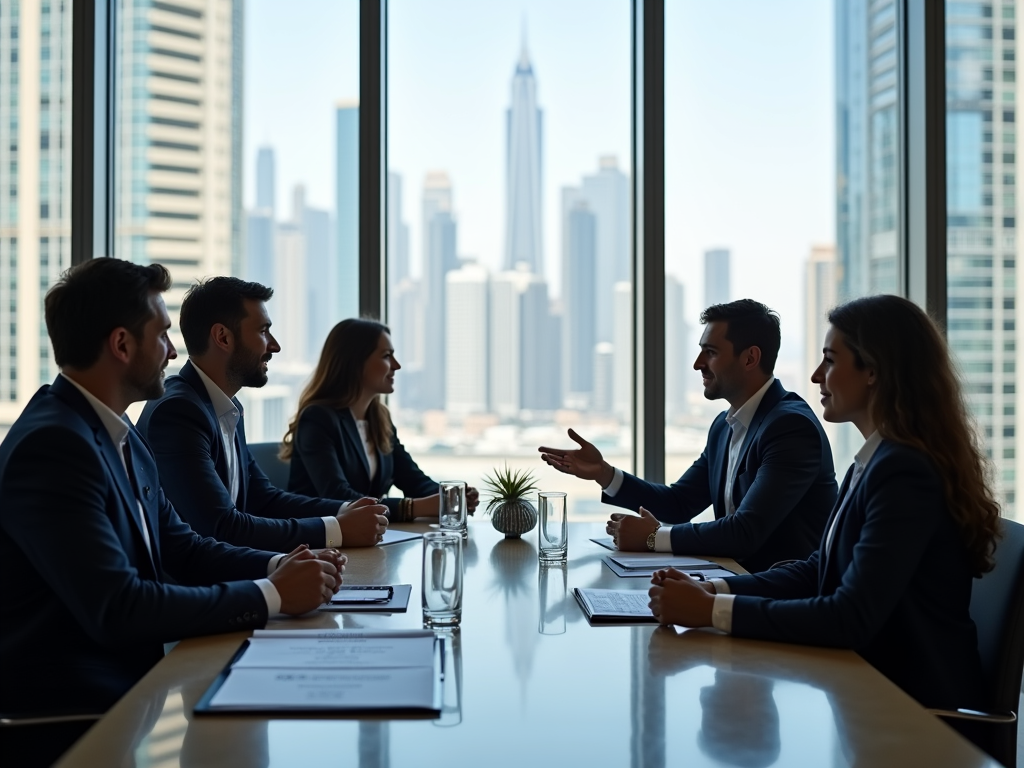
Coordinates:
(337, 381)
(918, 402)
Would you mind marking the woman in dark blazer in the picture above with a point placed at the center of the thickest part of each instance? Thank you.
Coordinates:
(342, 444)
(914, 524)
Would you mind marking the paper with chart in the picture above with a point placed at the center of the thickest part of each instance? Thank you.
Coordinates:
(331, 670)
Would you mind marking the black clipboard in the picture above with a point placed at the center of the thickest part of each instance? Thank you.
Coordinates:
(305, 713)
(399, 603)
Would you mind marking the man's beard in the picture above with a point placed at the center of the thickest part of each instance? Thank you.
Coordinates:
(146, 385)
(245, 368)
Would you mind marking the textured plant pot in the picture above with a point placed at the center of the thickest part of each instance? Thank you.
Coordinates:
(513, 518)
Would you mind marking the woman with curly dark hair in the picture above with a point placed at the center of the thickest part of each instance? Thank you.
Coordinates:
(914, 524)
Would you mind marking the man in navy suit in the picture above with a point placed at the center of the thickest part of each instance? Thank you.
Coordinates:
(766, 469)
(197, 432)
(87, 536)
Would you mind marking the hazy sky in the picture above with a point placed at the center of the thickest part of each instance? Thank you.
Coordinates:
(749, 119)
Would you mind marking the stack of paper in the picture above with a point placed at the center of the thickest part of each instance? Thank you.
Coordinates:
(617, 606)
(351, 671)
(644, 564)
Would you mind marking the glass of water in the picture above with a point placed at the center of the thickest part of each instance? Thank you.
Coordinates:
(452, 510)
(554, 528)
(442, 579)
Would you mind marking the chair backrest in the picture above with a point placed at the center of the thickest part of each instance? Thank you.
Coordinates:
(997, 607)
(275, 468)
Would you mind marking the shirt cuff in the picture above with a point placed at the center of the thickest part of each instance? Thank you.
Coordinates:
(663, 539)
(721, 612)
(615, 484)
(274, 562)
(721, 587)
(332, 532)
(271, 595)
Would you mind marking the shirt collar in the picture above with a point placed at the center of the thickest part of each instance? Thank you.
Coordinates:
(745, 413)
(863, 456)
(113, 423)
(222, 404)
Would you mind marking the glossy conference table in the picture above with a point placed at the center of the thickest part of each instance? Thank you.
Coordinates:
(535, 687)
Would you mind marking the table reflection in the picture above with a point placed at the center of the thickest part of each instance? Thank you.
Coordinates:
(739, 720)
(451, 700)
(514, 564)
(552, 593)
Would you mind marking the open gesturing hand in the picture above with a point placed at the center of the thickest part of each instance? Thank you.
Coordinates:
(585, 462)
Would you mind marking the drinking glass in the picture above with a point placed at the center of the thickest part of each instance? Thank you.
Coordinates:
(554, 528)
(552, 587)
(442, 579)
(453, 507)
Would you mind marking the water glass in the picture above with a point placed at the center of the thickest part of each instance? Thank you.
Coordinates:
(442, 579)
(552, 587)
(554, 528)
(453, 508)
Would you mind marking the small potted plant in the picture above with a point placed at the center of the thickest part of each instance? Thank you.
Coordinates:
(510, 512)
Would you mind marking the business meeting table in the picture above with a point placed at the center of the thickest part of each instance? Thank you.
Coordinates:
(535, 685)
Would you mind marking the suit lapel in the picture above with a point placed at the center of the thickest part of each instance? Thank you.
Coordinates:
(771, 398)
(719, 464)
(188, 374)
(148, 488)
(242, 452)
(823, 550)
(348, 426)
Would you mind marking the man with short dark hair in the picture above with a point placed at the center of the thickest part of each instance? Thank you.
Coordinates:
(766, 469)
(197, 433)
(87, 536)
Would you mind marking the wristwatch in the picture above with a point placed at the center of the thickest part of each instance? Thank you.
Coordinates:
(651, 538)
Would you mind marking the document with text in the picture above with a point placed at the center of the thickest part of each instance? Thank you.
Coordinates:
(619, 606)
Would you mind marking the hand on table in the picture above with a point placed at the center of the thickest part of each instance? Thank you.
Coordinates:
(363, 523)
(304, 581)
(472, 499)
(585, 462)
(678, 599)
(630, 532)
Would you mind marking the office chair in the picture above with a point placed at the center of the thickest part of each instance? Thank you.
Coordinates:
(997, 607)
(273, 467)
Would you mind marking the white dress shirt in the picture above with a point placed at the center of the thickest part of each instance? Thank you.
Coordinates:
(118, 432)
(228, 417)
(721, 612)
(738, 420)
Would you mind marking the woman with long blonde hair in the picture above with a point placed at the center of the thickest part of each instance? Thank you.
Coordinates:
(342, 443)
(914, 524)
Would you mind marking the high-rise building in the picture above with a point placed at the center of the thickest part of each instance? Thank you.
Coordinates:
(320, 270)
(523, 222)
(820, 287)
(179, 139)
(580, 311)
(717, 288)
(266, 180)
(622, 350)
(604, 376)
(867, 147)
(408, 334)
(289, 310)
(466, 334)
(259, 246)
(398, 233)
(982, 272)
(608, 195)
(440, 259)
(346, 239)
(678, 354)
(35, 190)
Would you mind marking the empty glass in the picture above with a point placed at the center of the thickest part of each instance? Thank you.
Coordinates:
(554, 528)
(442, 579)
(453, 509)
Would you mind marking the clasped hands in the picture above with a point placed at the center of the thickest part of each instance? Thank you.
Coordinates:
(678, 599)
(306, 578)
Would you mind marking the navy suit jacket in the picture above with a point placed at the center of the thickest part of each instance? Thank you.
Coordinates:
(329, 461)
(183, 429)
(895, 586)
(785, 486)
(86, 608)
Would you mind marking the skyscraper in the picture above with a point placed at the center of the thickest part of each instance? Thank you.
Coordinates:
(179, 139)
(579, 301)
(608, 195)
(678, 354)
(35, 191)
(266, 179)
(622, 350)
(466, 334)
(259, 246)
(291, 296)
(398, 233)
(717, 287)
(346, 241)
(321, 272)
(440, 258)
(523, 223)
(820, 286)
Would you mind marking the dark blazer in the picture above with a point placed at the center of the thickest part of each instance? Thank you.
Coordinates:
(895, 586)
(85, 617)
(183, 429)
(785, 485)
(329, 461)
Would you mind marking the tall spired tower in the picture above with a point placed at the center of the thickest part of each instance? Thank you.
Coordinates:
(522, 172)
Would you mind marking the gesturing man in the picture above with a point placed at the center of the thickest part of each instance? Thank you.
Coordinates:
(97, 570)
(197, 432)
(766, 469)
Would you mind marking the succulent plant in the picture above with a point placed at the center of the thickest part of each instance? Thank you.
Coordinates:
(506, 485)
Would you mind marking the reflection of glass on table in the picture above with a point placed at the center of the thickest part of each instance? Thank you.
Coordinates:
(552, 589)
(451, 696)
